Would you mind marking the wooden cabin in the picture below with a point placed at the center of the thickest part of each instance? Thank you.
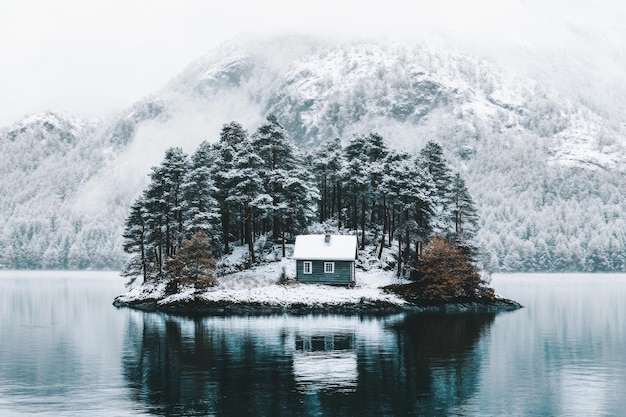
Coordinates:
(326, 259)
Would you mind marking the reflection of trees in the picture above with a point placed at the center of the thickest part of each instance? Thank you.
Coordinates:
(435, 367)
(177, 366)
(210, 370)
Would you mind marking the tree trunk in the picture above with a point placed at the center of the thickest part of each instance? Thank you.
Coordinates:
(225, 228)
(353, 212)
(324, 202)
(144, 264)
(418, 253)
(275, 220)
(168, 240)
(382, 240)
(392, 225)
(363, 209)
(373, 213)
(332, 201)
(248, 231)
(399, 256)
(283, 242)
(407, 247)
(339, 216)
(157, 258)
(242, 228)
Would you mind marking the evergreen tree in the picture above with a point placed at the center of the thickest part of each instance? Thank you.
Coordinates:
(358, 191)
(155, 219)
(433, 161)
(231, 139)
(248, 192)
(274, 146)
(388, 190)
(408, 190)
(135, 241)
(201, 211)
(327, 165)
(164, 206)
(174, 169)
(296, 196)
(464, 218)
(377, 156)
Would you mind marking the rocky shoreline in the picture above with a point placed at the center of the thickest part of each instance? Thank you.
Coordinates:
(196, 306)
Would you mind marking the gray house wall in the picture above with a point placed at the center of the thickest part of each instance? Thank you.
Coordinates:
(343, 275)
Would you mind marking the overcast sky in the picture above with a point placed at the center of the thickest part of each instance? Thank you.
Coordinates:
(100, 56)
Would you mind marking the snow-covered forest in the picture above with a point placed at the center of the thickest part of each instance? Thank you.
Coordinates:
(246, 188)
(544, 168)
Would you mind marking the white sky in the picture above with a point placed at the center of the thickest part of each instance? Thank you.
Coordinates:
(100, 56)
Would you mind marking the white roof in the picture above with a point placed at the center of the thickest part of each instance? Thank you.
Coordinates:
(313, 247)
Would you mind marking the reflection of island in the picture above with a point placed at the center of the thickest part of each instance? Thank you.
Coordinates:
(306, 365)
(327, 361)
(438, 355)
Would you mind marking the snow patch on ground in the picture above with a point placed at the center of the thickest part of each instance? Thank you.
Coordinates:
(259, 285)
(145, 291)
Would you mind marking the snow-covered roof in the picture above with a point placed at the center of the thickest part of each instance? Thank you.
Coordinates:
(314, 247)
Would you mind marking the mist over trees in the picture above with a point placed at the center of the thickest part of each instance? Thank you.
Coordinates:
(254, 187)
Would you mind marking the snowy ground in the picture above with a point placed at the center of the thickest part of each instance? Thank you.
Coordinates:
(259, 285)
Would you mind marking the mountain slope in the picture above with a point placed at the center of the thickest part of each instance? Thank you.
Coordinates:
(544, 169)
(46, 160)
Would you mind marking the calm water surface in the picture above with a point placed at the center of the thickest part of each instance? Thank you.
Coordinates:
(65, 351)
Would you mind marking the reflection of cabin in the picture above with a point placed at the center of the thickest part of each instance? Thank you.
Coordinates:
(325, 259)
(325, 343)
(327, 361)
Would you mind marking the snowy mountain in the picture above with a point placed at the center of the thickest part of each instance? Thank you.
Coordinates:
(545, 170)
(46, 159)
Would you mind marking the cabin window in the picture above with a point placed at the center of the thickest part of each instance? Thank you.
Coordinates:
(329, 267)
(307, 267)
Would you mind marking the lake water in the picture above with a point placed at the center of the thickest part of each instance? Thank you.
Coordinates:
(65, 351)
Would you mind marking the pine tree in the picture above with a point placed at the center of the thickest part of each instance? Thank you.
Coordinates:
(327, 165)
(387, 191)
(248, 192)
(274, 146)
(155, 219)
(358, 191)
(164, 206)
(432, 159)
(231, 139)
(464, 218)
(201, 211)
(408, 190)
(377, 155)
(296, 196)
(135, 241)
(175, 169)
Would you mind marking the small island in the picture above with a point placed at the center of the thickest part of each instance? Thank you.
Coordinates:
(360, 229)
(269, 289)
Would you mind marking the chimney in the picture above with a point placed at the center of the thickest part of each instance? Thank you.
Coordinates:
(327, 237)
